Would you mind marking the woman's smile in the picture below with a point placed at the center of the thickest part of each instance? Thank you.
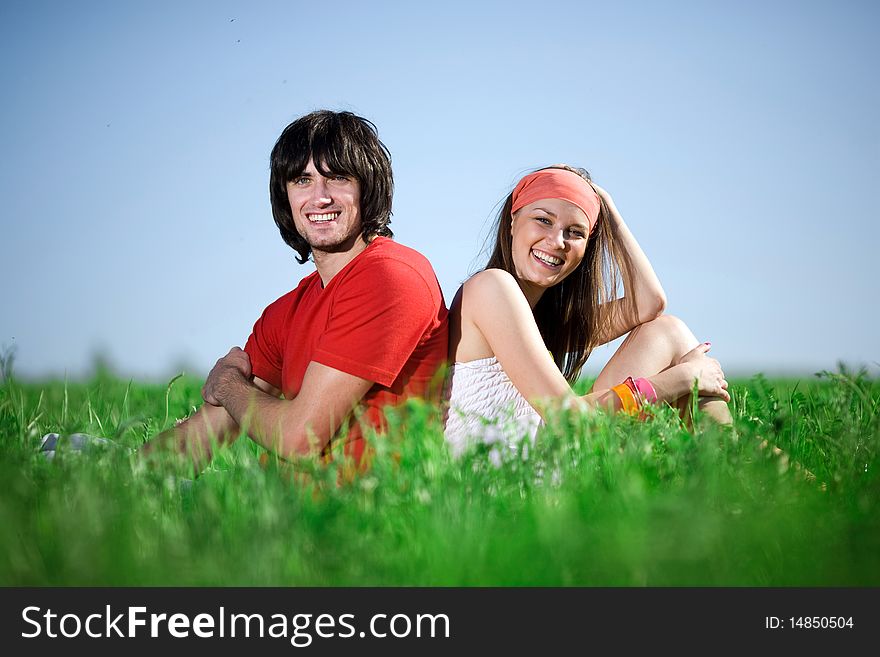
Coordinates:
(549, 239)
(548, 260)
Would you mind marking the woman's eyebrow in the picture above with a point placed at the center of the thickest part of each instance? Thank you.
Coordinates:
(550, 212)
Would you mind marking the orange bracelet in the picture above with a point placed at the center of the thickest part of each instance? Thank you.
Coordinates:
(628, 400)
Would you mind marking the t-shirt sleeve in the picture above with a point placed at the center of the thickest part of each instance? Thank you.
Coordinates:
(264, 348)
(379, 317)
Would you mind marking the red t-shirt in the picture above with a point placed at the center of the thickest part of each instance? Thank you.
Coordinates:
(381, 318)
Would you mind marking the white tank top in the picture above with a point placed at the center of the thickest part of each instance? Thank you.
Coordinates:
(485, 406)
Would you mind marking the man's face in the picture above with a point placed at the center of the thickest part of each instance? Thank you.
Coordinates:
(326, 210)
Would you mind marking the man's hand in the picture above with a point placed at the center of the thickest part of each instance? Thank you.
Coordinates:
(233, 369)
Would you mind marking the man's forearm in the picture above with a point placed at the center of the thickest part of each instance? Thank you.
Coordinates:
(268, 421)
(293, 427)
(196, 436)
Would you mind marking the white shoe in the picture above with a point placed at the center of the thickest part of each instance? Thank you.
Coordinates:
(73, 443)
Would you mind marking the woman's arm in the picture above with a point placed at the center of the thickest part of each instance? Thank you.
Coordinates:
(647, 292)
(676, 381)
(493, 304)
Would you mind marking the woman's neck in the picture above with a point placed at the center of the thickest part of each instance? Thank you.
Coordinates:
(531, 291)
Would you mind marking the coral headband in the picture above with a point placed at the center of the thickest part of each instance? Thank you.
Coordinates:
(557, 183)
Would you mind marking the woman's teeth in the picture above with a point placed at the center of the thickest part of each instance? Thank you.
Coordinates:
(547, 259)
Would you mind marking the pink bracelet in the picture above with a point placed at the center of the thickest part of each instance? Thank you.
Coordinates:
(646, 390)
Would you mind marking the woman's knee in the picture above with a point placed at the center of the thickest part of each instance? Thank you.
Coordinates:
(667, 324)
(674, 330)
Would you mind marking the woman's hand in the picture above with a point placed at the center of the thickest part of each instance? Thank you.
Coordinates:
(706, 372)
(604, 195)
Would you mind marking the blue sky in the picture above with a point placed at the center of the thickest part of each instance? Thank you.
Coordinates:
(740, 142)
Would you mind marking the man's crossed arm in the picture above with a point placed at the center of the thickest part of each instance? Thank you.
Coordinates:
(289, 427)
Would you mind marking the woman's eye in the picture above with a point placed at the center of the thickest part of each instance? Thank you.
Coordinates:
(577, 233)
(543, 220)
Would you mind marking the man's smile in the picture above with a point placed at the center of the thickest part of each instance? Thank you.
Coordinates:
(320, 218)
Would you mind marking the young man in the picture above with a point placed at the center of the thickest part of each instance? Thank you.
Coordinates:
(367, 329)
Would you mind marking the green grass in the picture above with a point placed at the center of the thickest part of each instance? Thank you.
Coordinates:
(600, 500)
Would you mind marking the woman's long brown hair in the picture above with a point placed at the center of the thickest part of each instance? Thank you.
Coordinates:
(577, 315)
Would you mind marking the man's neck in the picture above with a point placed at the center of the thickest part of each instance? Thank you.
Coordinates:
(329, 264)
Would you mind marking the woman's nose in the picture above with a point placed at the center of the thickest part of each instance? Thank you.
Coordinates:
(557, 239)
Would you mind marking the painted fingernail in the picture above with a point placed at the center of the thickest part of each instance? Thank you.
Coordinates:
(708, 344)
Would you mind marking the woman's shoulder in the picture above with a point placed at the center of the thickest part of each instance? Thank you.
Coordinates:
(487, 311)
(492, 281)
(493, 294)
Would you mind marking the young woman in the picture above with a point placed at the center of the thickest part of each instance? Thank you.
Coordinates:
(550, 285)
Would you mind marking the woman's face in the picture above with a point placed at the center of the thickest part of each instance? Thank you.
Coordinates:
(549, 239)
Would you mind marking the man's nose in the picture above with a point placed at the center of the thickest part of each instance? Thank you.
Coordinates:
(321, 192)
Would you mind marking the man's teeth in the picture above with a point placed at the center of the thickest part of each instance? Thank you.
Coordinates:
(550, 260)
(323, 217)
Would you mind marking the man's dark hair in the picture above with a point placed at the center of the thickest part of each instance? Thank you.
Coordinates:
(339, 143)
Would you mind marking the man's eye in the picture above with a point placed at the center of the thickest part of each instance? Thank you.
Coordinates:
(340, 178)
(302, 180)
